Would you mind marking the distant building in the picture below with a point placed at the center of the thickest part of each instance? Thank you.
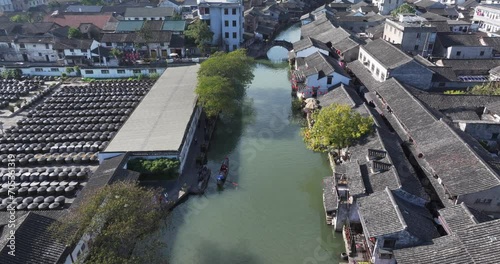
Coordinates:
(413, 33)
(386, 6)
(6, 6)
(487, 19)
(225, 18)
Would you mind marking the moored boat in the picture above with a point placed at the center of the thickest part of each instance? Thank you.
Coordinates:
(223, 171)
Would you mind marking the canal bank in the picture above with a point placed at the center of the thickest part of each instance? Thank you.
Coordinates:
(275, 213)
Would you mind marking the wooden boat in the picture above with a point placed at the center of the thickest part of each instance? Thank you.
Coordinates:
(223, 171)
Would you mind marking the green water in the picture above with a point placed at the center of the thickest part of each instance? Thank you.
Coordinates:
(275, 214)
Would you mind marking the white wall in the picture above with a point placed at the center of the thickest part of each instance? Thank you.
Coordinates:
(117, 72)
(37, 52)
(373, 65)
(189, 137)
(469, 52)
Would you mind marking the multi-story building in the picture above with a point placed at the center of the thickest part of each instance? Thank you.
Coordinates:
(487, 19)
(412, 33)
(386, 6)
(225, 18)
(6, 5)
(37, 49)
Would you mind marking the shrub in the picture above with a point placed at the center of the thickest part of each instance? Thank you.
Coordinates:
(154, 76)
(157, 167)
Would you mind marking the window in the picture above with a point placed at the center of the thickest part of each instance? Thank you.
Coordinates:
(22, 46)
(481, 53)
(234, 11)
(207, 11)
(459, 53)
(83, 50)
(89, 72)
(54, 69)
(226, 23)
(47, 46)
(329, 80)
(377, 72)
(389, 243)
(137, 71)
(430, 47)
(34, 45)
(234, 35)
(108, 44)
(494, 136)
(39, 54)
(226, 35)
(226, 11)
(235, 47)
(234, 23)
(71, 50)
(415, 48)
(418, 35)
(105, 71)
(38, 69)
(10, 45)
(136, 18)
(152, 70)
(120, 71)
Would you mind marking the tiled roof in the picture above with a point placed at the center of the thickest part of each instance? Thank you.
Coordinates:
(433, 17)
(307, 43)
(333, 34)
(129, 25)
(174, 25)
(320, 63)
(149, 12)
(156, 37)
(177, 41)
(341, 94)
(446, 249)
(74, 20)
(389, 56)
(72, 44)
(347, 44)
(83, 9)
(471, 67)
(482, 241)
(316, 27)
(154, 25)
(456, 217)
(449, 40)
(34, 243)
(330, 196)
(384, 213)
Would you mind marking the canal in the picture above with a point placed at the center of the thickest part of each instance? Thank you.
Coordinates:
(273, 212)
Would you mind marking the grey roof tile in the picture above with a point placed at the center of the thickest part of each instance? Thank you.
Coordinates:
(149, 12)
(388, 55)
(482, 241)
(309, 42)
(446, 249)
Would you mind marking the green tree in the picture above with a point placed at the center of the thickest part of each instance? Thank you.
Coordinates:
(74, 33)
(403, 9)
(235, 66)
(222, 81)
(117, 216)
(335, 127)
(216, 95)
(200, 33)
(20, 18)
(147, 35)
(491, 88)
(116, 53)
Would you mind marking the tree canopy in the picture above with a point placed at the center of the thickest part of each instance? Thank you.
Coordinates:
(335, 127)
(491, 88)
(200, 33)
(222, 81)
(403, 9)
(21, 18)
(117, 216)
(74, 33)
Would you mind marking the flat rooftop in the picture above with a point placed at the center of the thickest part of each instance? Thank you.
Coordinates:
(161, 119)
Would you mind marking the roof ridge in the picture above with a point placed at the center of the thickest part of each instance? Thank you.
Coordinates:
(466, 209)
(396, 207)
(388, 156)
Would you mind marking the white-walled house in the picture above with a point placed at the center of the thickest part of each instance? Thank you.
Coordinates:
(76, 51)
(225, 18)
(37, 49)
(384, 61)
(317, 73)
(157, 46)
